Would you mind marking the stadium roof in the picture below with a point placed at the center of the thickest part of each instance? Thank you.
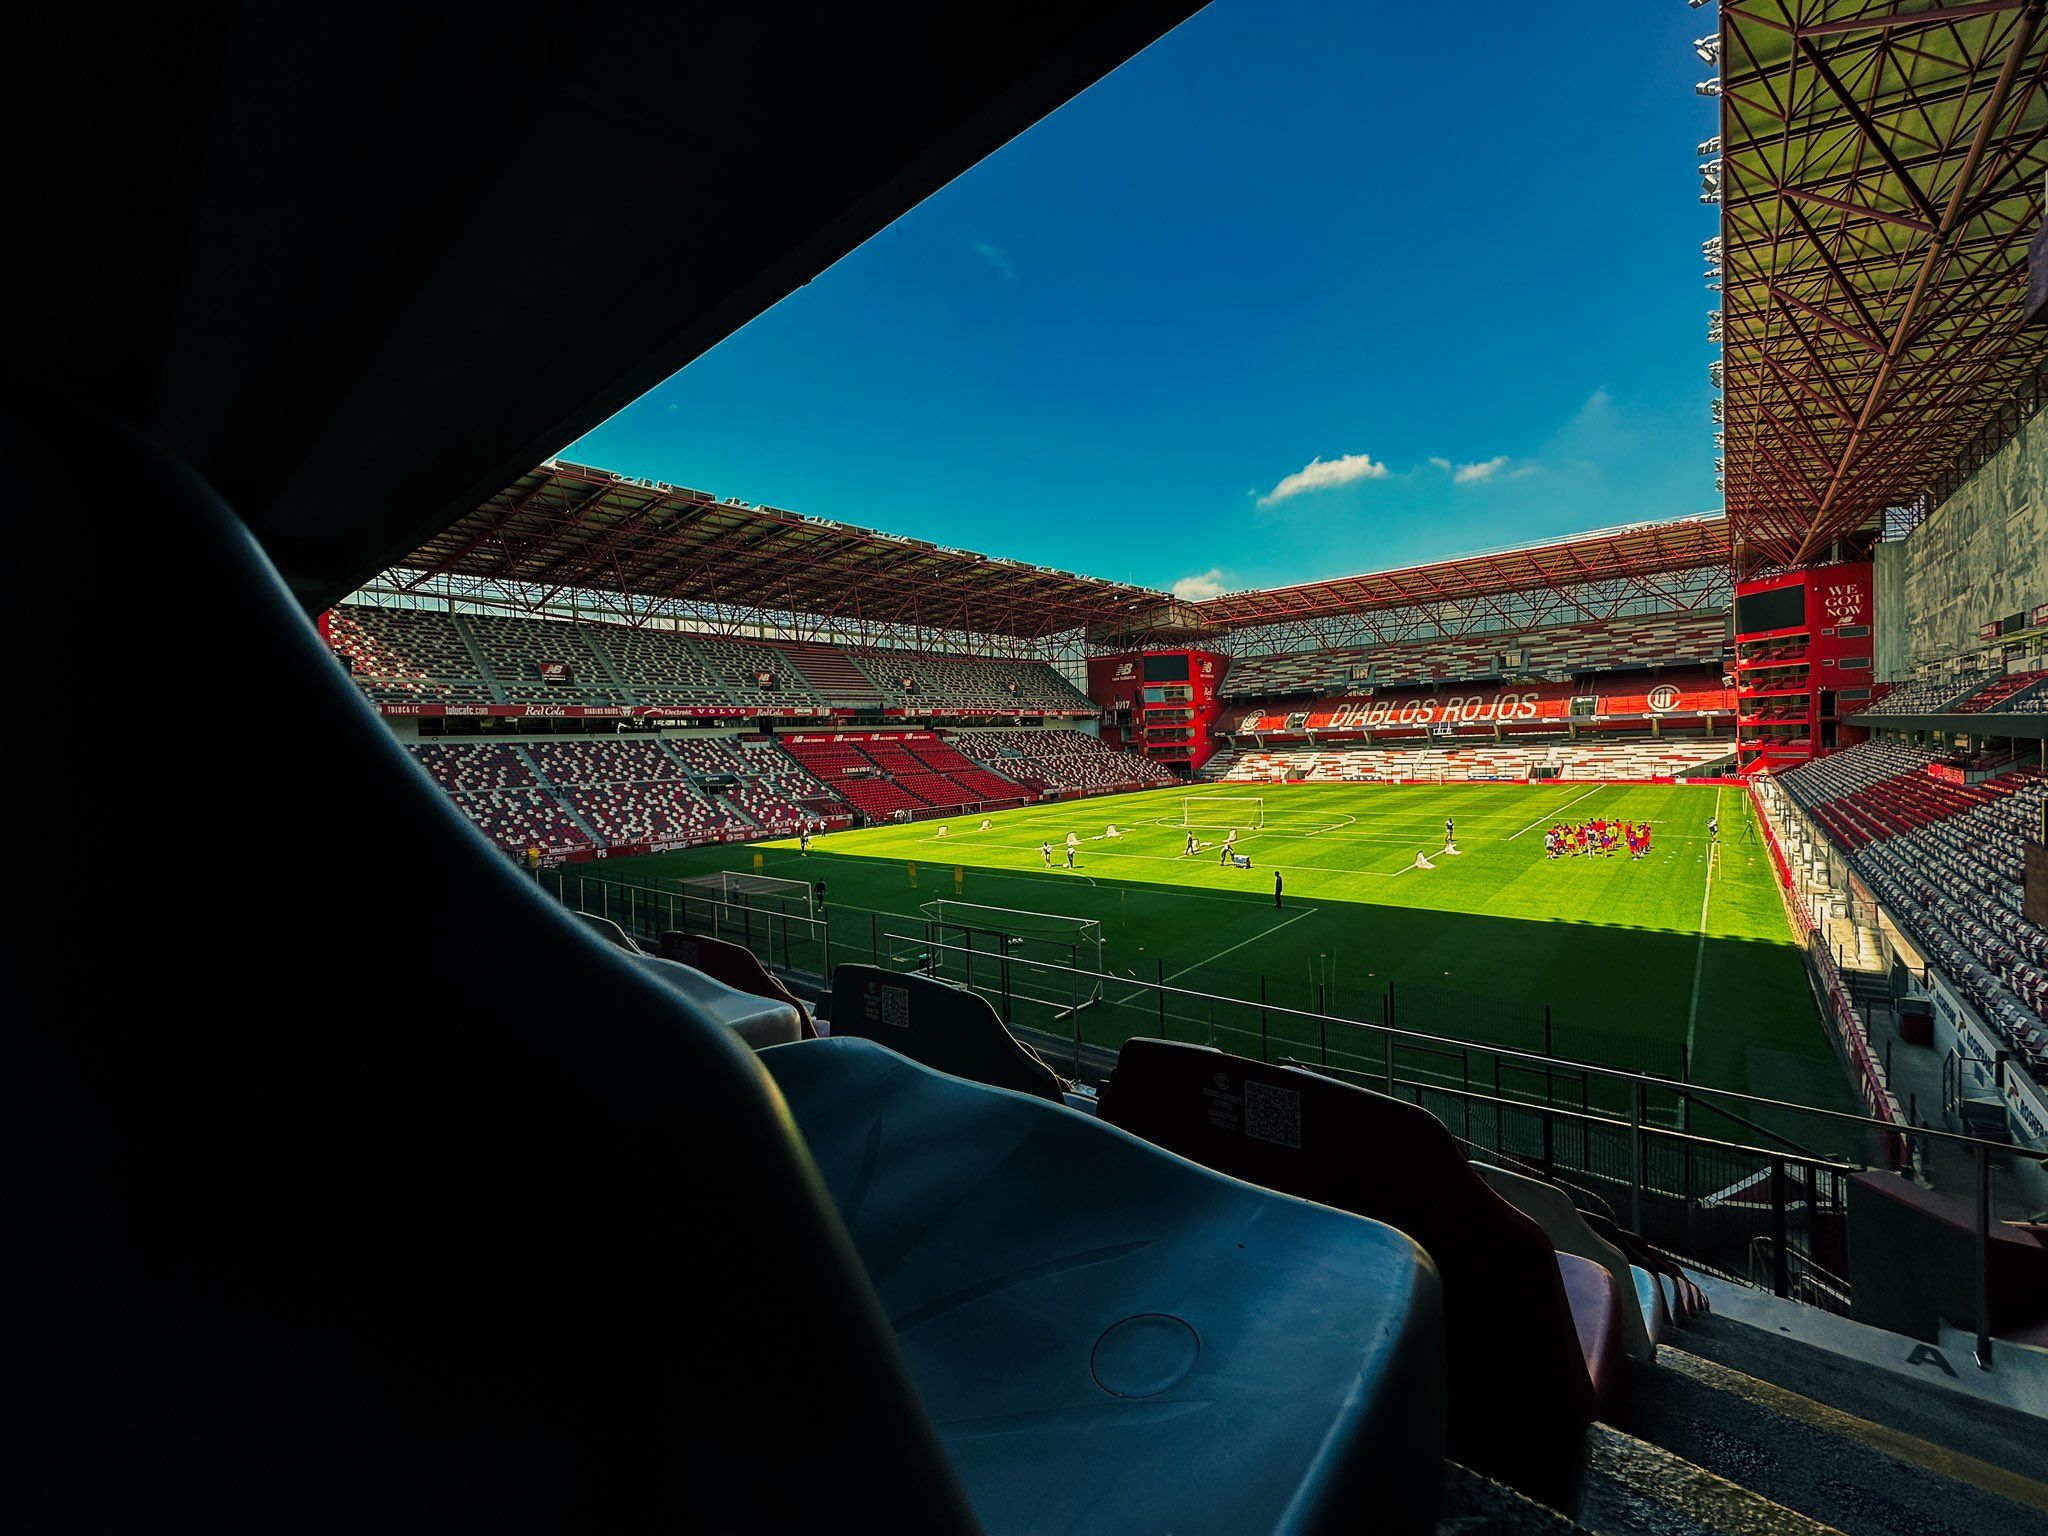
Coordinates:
(1881, 172)
(564, 528)
(1613, 554)
(568, 527)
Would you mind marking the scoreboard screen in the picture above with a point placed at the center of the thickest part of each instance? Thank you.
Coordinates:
(1166, 669)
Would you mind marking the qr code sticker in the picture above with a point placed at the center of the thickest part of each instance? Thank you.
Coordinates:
(1273, 1114)
(896, 1007)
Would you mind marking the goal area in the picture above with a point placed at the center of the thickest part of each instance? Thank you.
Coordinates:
(759, 893)
(1222, 812)
(1012, 952)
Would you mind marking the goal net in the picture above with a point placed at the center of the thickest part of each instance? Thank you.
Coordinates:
(1222, 812)
(1009, 952)
(761, 893)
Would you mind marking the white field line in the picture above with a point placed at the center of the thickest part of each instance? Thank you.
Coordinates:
(1266, 933)
(1699, 959)
(1553, 815)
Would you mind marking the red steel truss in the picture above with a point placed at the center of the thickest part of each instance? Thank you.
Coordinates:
(1881, 172)
(565, 528)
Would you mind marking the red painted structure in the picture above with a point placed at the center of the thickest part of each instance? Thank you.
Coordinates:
(1803, 648)
(1694, 699)
(1160, 704)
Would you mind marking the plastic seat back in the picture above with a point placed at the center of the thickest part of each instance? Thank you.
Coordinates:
(943, 1026)
(1520, 1398)
(379, 1192)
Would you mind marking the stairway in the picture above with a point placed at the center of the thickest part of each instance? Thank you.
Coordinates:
(554, 793)
(476, 654)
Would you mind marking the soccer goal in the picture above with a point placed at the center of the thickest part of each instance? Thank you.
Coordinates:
(774, 918)
(1220, 812)
(1009, 953)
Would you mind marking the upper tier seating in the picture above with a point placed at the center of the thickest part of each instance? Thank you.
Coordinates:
(1932, 695)
(521, 652)
(407, 655)
(1522, 1391)
(966, 683)
(1663, 639)
(737, 665)
(659, 666)
(632, 791)
(1096, 1320)
(1060, 760)
(2004, 694)
(1641, 757)
(1946, 859)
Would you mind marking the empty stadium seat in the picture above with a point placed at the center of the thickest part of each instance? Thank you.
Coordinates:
(736, 966)
(1520, 1391)
(405, 1200)
(1552, 1210)
(1111, 1339)
(943, 1026)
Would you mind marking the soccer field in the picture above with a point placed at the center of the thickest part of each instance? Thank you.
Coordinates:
(1682, 960)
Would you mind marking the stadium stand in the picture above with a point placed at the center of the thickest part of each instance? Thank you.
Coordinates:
(541, 661)
(1946, 858)
(658, 666)
(1060, 761)
(1642, 758)
(965, 684)
(1933, 696)
(1554, 652)
(407, 655)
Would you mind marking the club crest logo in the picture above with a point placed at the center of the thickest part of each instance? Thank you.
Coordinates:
(1663, 698)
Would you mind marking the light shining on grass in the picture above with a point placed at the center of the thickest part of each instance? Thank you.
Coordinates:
(1612, 945)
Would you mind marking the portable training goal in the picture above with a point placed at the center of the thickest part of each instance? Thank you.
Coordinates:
(1008, 952)
(1221, 812)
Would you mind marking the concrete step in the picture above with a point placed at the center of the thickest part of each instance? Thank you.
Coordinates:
(1858, 1475)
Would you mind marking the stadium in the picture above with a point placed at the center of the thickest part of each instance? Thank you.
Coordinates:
(605, 1002)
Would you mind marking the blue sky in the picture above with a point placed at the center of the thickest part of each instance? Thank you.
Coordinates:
(1302, 290)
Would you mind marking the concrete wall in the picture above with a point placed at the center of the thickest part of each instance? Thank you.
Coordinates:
(1982, 554)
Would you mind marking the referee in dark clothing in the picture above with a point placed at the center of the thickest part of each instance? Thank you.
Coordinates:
(1276, 887)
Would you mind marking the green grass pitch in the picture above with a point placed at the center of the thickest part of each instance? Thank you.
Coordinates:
(1634, 959)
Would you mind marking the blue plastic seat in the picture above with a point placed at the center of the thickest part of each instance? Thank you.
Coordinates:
(1109, 1338)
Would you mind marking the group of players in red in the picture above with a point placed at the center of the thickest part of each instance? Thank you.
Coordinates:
(1597, 837)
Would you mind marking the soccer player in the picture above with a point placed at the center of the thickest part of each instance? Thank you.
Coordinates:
(1229, 846)
(818, 891)
(1276, 888)
(1045, 853)
(803, 841)
(1070, 855)
(1191, 846)
(1713, 826)
(1450, 831)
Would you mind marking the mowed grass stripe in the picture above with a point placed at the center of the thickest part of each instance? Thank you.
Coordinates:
(1611, 945)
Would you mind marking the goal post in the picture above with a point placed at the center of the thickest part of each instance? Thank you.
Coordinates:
(773, 917)
(762, 893)
(1011, 952)
(1214, 812)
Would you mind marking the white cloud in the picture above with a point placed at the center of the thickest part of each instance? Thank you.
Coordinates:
(1320, 475)
(1475, 474)
(1443, 464)
(996, 257)
(1195, 588)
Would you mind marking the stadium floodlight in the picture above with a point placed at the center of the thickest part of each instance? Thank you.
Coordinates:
(1708, 48)
(1714, 373)
(1714, 326)
(1707, 147)
(1710, 87)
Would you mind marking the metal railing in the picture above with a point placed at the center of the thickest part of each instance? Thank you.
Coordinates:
(1741, 1183)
